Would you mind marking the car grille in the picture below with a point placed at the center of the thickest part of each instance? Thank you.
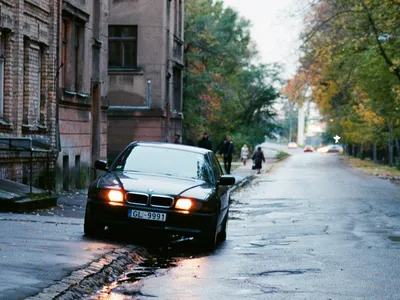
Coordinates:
(140, 199)
(161, 201)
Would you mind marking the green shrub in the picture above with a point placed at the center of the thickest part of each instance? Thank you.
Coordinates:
(281, 155)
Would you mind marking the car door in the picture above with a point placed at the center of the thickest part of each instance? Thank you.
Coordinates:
(221, 190)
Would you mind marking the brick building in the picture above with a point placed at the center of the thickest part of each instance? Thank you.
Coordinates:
(27, 75)
(53, 86)
(81, 90)
(145, 62)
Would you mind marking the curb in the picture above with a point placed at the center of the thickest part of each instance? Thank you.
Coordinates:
(277, 161)
(81, 283)
(249, 178)
(27, 204)
(243, 182)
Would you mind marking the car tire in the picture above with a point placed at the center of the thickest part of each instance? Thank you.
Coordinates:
(222, 234)
(209, 240)
(92, 227)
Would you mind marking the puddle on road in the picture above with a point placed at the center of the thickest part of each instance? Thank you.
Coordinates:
(394, 238)
(286, 272)
(160, 258)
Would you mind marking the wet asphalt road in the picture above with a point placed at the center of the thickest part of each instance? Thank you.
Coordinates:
(310, 229)
(36, 251)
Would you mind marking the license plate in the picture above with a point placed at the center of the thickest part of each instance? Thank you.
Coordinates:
(147, 215)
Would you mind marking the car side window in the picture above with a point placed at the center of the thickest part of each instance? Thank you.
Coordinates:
(216, 168)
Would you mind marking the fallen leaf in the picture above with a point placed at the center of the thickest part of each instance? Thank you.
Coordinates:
(88, 249)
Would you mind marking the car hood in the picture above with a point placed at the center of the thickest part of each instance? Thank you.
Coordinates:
(164, 185)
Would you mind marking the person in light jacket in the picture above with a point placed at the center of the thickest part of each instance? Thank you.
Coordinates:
(258, 158)
(244, 154)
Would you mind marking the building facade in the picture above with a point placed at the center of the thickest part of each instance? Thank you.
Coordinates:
(145, 62)
(81, 90)
(53, 87)
(28, 43)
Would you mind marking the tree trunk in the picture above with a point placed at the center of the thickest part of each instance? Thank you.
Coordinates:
(398, 151)
(390, 150)
(353, 150)
(362, 151)
(374, 153)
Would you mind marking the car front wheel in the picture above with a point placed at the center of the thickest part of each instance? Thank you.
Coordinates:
(222, 234)
(92, 227)
(209, 240)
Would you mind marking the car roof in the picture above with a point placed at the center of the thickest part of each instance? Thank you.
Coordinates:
(172, 146)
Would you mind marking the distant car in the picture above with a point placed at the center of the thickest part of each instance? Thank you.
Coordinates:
(292, 145)
(335, 149)
(308, 148)
(170, 188)
(331, 149)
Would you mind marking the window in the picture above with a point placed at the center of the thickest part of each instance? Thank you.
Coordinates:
(64, 40)
(77, 55)
(72, 35)
(180, 13)
(216, 168)
(166, 162)
(177, 94)
(122, 47)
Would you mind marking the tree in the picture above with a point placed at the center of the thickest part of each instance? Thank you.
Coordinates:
(351, 62)
(223, 92)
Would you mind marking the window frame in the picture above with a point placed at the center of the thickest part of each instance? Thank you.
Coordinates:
(72, 52)
(64, 49)
(123, 40)
(215, 164)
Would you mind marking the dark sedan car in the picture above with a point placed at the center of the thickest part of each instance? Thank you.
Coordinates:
(157, 186)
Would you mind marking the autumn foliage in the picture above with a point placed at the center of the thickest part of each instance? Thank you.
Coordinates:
(351, 66)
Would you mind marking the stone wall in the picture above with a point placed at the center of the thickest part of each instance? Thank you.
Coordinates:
(28, 49)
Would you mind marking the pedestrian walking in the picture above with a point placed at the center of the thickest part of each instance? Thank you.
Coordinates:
(227, 149)
(177, 137)
(258, 159)
(244, 154)
(205, 142)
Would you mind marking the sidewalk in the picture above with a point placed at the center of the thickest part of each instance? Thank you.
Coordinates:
(16, 197)
(244, 173)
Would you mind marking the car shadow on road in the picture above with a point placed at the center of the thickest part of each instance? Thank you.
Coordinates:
(155, 244)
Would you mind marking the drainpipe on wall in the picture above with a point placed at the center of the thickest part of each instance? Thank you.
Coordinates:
(149, 94)
(168, 76)
(56, 79)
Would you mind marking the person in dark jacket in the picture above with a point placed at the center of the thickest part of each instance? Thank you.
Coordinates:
(258, 158)
(177, 138)
(227, 149)
(205, 142)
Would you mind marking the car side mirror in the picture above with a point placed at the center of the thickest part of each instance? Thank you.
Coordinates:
(101, 165)
(226, 180)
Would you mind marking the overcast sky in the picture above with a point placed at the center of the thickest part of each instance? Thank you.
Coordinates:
(276, 28)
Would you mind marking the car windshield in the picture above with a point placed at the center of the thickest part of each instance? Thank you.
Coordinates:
(166, 162)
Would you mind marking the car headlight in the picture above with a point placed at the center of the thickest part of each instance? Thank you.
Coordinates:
(115, 196)
(184, 204)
